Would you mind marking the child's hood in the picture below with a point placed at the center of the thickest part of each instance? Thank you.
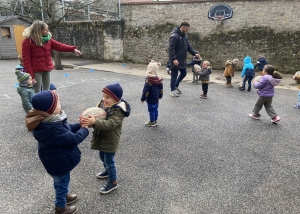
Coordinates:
(122, 105)
(247, 60)
(273, 80)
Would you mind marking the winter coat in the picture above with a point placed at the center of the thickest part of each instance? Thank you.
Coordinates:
(26, 94)
(179, 45)
(266, 85)
(229, 69)
(261, 62)
(248, 68)
(38, 58)
(204, 74)
(57, 142)
(153, 90)
(107, 133)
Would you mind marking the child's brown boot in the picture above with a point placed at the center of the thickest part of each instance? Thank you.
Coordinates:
(71, 198)
(66, 210)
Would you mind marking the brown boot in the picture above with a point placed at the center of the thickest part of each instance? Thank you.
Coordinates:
(71, 198)
(229, 85)
(66, 210)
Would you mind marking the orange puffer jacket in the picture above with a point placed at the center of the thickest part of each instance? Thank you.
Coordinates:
(38, 58)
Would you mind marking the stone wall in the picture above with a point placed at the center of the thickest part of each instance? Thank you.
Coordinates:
(270, 28)
(96, 40)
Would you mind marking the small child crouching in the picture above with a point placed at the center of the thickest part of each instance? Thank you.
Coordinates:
(204, 76)
(107, 133)
(57, 144)
(152, 92)
(25, 89)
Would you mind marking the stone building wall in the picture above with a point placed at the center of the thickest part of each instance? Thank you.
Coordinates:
(269, 27)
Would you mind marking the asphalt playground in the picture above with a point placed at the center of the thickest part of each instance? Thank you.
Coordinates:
(204, 157)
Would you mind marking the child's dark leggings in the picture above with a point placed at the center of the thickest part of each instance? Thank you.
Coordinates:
(205, 88)
(228, 78)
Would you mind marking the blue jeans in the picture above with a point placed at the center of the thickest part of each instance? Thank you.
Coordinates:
(153, 111)
(249, 79)
(108, 160)
(174, 83)
(61, 187)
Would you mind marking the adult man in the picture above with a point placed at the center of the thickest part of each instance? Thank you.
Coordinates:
(179, 45)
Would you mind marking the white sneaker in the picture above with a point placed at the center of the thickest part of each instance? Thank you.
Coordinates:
(174, 94)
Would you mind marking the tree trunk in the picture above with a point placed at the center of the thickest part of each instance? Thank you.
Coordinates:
(56, 54)
(57, 61)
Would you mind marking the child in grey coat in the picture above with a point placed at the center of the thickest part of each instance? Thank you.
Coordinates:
(203, 76)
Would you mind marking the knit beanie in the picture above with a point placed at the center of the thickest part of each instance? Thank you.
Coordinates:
(152, 68)
(52, 87)
(45, 101)
(235, 61)
(22, 77)
(114, 90)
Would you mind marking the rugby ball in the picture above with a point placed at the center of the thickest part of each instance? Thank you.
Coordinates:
(95, 112)
(240, 84)
(256, 79)
(297, 77)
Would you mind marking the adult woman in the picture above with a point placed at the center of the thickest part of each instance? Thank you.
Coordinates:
(36, 53)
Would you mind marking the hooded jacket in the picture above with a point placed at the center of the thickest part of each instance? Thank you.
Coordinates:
(261, 62)
(153, 90)
(179, 45)
(107, 133)
(57, 142)
(248, 68)
(38, 58)
(266, 85)
(229, 69)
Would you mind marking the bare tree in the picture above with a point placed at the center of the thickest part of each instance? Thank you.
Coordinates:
(52, 12)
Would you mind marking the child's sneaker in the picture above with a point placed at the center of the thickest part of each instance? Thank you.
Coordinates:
(151, 124)
(253, 116)
(275, 119)
(108, 187)
(297, 105)
(103, 174)
(203, 96)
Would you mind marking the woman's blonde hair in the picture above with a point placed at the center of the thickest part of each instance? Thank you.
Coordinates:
(35, 32)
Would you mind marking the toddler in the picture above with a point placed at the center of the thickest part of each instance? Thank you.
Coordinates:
(107, 133)
(260, 64)
(229, 71)
(247, 73)
(57, 144)
(152, 92)
(196, 61)
(25, 89)
(265, 87)
(204, 77)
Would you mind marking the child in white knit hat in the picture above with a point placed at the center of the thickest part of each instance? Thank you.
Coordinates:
(152, 92)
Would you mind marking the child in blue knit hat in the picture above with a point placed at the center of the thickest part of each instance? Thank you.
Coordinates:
(107, 133)
(25, 89)
(57, 144)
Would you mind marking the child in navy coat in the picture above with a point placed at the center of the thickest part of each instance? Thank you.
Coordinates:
(152, 92)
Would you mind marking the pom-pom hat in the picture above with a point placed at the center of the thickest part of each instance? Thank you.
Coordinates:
(152, 68)
(114, 90)
(45, 101)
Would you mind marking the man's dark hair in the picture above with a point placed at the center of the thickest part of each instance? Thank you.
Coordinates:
(185, 24)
